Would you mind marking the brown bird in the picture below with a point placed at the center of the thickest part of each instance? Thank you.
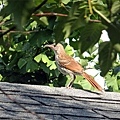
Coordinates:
(68, 66)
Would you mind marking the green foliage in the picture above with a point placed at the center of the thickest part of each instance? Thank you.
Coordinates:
(27, 25)
(106, 53)
(113, 82)
(90, 35)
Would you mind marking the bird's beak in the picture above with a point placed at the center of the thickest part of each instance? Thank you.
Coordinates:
(52, 46)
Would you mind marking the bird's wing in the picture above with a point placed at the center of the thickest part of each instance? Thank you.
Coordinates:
(69, 63)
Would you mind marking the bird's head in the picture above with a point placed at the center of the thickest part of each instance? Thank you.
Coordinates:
(56, 48)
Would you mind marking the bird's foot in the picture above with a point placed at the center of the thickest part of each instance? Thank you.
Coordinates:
(69, 86)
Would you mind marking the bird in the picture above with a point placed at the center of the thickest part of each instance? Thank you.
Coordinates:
(68, 66)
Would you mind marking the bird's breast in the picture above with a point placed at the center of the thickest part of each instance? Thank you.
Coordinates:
(62, 69)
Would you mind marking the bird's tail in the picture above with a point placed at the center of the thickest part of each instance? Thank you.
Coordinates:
(92, 81)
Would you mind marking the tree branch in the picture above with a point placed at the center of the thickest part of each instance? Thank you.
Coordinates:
(94, 21)
(90, 6)
(24, 32)
(7, 31)
(50, 14)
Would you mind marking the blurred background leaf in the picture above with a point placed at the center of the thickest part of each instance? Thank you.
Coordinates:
(27, 25)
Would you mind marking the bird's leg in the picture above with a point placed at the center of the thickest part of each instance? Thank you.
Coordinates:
(72, 78)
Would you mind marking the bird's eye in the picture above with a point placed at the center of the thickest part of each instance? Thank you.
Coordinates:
(54, 44)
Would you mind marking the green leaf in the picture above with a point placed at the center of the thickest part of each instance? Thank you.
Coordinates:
(33, 24)
(52, 21)
(45, 58)
(1, 61)
(62, 80)
(65, 1)
(114, 34)
(53, 66)
(58, 30)
(44, 67)
(117, 47)
(21, 62)
(67, 29)
(31, 66)
(75, 20)
(1, 77)
(115, 7)
(107, 55)
(90, 35)
(112, 83)
(18, 47)
(38, 58)
(21, 10)
(40, 37)
(2, 67)
(69, 50)
(84, 62)
(80, 82)
(44, 20)
(26, 46)
(13, 61)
